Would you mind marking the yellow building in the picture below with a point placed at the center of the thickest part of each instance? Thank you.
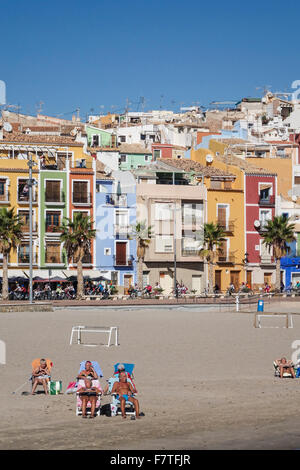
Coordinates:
(54, 153)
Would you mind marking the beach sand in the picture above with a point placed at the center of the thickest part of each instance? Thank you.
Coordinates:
(205, 380)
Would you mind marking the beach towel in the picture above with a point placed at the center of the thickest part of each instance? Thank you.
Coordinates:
(95, 365)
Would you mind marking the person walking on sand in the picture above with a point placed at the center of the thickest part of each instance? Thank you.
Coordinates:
(124, 391)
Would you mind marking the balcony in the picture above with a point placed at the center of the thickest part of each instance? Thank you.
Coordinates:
(122, 231)
(267, 260)
(78, 198)
(4, 198)
(23, 196)
(227, 228)
(81, 164)
(23, 258)
(53, 258)
(268, 202)
(48, 163)
(53, 229)
(226, 259)
(116, 200)
(190, 252)
(55, 198)
(26, 229)
(120, 261)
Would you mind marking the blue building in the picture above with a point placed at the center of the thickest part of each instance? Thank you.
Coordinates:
(290, 265)
(115, 213)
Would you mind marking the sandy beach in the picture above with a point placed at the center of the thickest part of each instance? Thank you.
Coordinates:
(204, 377)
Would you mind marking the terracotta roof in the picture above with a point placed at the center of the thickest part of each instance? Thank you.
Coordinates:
(243, 164)
(133, 148)
(191, 165)
(18, 137)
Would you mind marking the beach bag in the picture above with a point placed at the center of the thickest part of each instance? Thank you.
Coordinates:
(55, 387)
(72, 387)
(105, 410)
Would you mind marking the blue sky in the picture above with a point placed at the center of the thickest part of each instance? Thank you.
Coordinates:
(72, 54)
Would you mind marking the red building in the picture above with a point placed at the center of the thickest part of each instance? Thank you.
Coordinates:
(167, 151)
(260, 206)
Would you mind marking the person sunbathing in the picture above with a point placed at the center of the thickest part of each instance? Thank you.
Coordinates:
(88, 393)
(124, 391)
(285, 366)
(88, 372)
(41, 376)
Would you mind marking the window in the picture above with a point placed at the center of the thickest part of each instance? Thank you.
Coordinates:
(52, 254)
(52, 221)
(222, 216)
(53, 191)
(123, 158)
(3, 196)
(297, 180)
(95, 140)
(24, 220)
(163, 244)
(122, 138)
(227, 184)
(23, 253)
(143, 136)
(101, 188)
(23, 190)
(80, 192)
(147, 158)
(156, 154)
(215, 184)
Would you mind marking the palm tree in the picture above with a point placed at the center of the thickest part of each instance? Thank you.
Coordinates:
(142, 234)
(278, 232)
(213, 238)
(77, 235)
(11, 236)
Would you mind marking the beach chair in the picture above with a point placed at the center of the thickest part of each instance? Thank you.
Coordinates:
(115, 405)
(95, 365)
(285, 375)
(95, 383)
(35, 364)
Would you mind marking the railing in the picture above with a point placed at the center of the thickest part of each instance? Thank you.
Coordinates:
(229, 227)
(58, 197)
(25, 227)
(23, 258)
(82, 163)
(4, 197)
(53, 258)
(230, 259)
(50, 228)
(116, 200)
(267, 259)
(121, 231)
(118, 261)
(269, 201)
(50, 164)
(190, 252)
(82, 198)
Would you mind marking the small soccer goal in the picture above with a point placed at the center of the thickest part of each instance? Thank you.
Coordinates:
(273, 320)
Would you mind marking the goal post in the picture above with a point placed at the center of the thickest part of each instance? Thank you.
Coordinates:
(287, 324)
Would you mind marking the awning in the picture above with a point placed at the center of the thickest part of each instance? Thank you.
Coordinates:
(265, 186)
(91, 273)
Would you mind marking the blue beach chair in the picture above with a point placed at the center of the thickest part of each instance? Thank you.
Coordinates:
(115, 405)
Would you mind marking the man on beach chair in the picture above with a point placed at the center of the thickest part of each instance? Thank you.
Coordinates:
(285, 367)
(89, 396)
(124, 392)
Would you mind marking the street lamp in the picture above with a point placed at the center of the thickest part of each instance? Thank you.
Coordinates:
(30, 183)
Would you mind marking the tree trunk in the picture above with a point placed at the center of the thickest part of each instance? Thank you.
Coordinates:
(211, 277)
(277, 285)
(80, 292)
(5, 278)
(140, 273)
